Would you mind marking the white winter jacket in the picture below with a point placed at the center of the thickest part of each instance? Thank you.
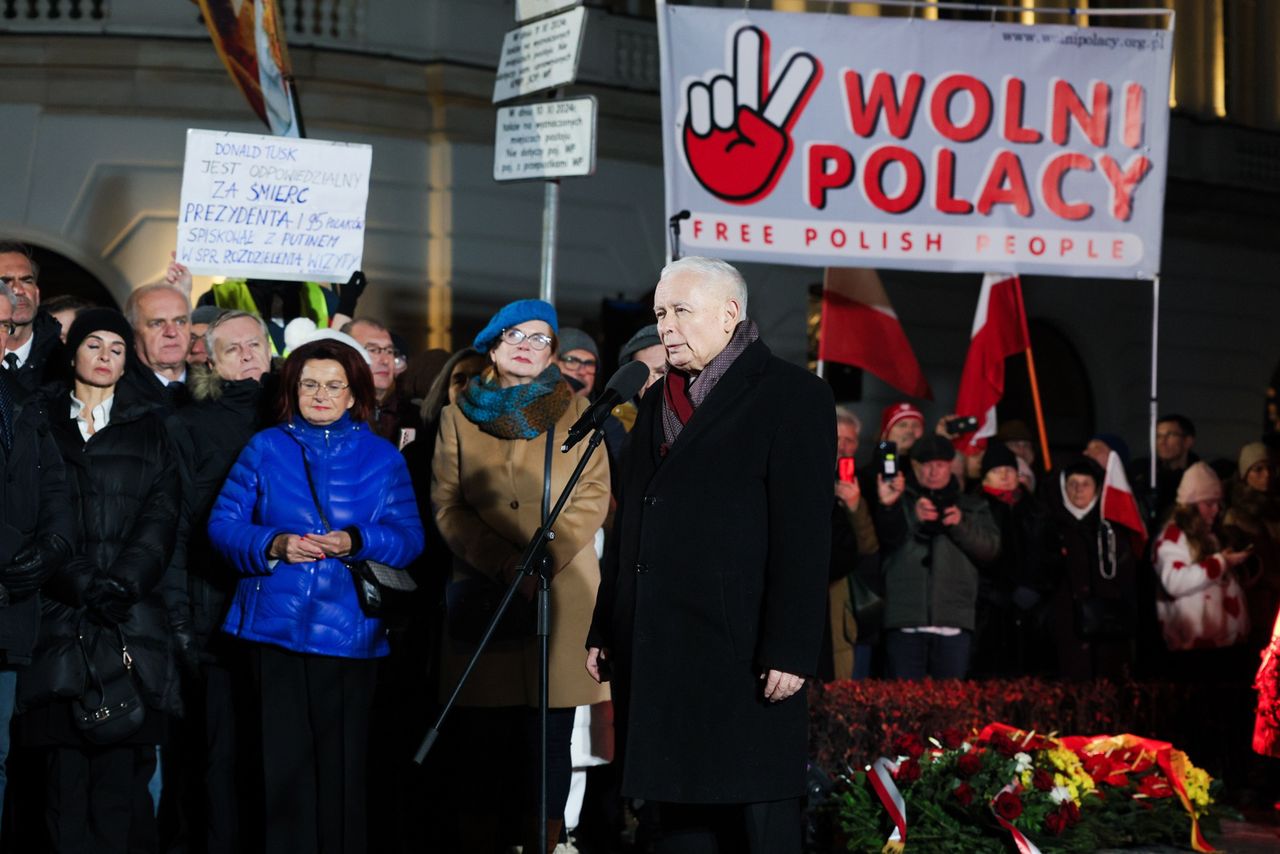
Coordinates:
(1206, 609)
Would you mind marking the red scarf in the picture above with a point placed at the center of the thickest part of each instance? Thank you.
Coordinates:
(1008, 496)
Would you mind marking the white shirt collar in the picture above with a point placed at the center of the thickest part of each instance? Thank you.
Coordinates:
(101, 415)
(166, 382)
(24, 352)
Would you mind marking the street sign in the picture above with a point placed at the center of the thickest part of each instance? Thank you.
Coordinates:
(540, 56)
(554, 139)
(527, 10)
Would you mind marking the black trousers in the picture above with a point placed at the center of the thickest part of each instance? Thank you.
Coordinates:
(770, 827)
(96, 799)
(315, 744)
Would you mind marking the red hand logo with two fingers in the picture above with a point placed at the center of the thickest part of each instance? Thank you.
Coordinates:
(737, 130)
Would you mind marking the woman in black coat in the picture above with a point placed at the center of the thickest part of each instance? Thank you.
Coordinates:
(124, 492)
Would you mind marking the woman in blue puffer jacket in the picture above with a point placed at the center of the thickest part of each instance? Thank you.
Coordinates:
(313, 649)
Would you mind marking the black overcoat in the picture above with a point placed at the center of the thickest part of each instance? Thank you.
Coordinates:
(717, 573)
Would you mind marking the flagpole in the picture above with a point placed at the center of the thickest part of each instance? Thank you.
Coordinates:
(822, 369)
(1155, 403)
(1035, 383)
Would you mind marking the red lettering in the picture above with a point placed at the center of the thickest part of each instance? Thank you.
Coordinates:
(1010, 247)
(722, 231)
(940, 107)
(932, 241)
(983, 242)
(827, 167)
(839, 238)
(1089, 250)
(697, 229)
(1014, 93)
(944, 200)
(1068, 106)
(744, 233)
(905, 240)
(1123, 182)
(873, 178)
(1006, 169)
(1033, 243)
(862, 240)
(1117, 249)
(1051, 185)
(768, 235)
(1135, 102)
(1065, 245)
(810, 235)
(864, 113)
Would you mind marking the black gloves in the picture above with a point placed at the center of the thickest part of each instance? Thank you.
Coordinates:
(109, 600)
(188, 651)
(349, 294)
(33, 565)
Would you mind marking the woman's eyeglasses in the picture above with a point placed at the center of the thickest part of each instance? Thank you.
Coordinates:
(311, 388)
(537, 340)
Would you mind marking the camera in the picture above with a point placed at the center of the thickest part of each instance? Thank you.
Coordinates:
(957, 426)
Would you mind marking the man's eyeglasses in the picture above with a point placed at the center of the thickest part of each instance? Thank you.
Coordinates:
(575, 362)
(380, 351)
(8, 326)
(311, 388)
(537, 340)
(1172, 434)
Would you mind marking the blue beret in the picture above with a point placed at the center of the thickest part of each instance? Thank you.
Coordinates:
(513, 314)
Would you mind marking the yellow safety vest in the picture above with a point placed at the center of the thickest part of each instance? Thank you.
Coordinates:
(234, 294)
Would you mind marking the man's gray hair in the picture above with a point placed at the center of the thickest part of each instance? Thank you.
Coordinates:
(233, 314)
(7, 293)
(131, 304)
(367, 321)
(844, 415)
(714, 269)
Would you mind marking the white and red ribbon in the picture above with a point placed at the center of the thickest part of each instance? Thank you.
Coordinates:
(881, 779)
(1024, 845)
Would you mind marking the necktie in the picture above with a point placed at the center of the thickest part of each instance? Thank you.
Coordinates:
(11, 361)
(6, 415)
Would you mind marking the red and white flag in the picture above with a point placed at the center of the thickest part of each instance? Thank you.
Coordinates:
(1118, 502)
(999, 331)
(860, 328)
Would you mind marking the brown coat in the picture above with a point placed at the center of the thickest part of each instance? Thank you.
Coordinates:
(487, 495)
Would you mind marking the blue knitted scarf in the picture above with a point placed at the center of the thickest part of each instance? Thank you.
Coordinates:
(516, 412)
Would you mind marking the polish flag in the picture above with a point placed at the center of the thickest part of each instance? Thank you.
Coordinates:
(860, 328)
(1118, 502)
(999, 331)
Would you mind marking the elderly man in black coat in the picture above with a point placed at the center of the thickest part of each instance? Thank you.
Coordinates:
(712, 601)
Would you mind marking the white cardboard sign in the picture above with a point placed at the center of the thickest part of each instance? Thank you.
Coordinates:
(555, 139)
(540, 56)
(272, 207)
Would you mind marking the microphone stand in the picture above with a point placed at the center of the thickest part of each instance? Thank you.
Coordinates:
(534, 562)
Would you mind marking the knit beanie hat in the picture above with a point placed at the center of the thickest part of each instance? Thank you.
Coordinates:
(933, 447)
(92, 320)
(513, 314)
(997, 455)
(1252, 454)
(302, 330)
(893, 414)
(1199, 483)
(576, 339)
(646, 336)
(206, 313)
(1085, 466)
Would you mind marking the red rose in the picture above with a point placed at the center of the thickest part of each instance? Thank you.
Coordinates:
(1055, 823)
(908, 745)
(1004, 745)
(908, 771)
(1008, 806)
(1042, 780)
(952, 738)
(1071, 811)
(969, 764)
(964, 794)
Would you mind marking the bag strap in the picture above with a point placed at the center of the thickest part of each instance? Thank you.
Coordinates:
(315, 496)
(546, 473)
(91, 672)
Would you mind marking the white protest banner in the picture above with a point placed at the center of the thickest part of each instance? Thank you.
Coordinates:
(272, 207)
(540, 56)
(554, 139)
(834, 140)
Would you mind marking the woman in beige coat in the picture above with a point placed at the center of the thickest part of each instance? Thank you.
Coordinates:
(487, 491)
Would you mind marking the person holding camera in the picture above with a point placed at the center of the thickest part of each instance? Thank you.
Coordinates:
(931, 539)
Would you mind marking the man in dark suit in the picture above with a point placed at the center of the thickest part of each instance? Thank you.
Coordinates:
(713, 598)
(36, 527)
(34, 350)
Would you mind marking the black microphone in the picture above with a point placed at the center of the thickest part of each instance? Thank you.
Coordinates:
(623, 386)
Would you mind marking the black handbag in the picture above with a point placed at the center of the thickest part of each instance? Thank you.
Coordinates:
(110, 709)
(377, 584)
(471, 601)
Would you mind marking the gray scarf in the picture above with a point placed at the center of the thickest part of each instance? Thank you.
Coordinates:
(696, 389)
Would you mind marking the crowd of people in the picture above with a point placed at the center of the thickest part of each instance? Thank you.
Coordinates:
(197, 651)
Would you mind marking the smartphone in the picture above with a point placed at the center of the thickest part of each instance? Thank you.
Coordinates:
(845, 469)
(887, 459)
(965, 424)
(407, 435)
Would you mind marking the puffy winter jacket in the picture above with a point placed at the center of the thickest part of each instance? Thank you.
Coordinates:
(363, 482)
